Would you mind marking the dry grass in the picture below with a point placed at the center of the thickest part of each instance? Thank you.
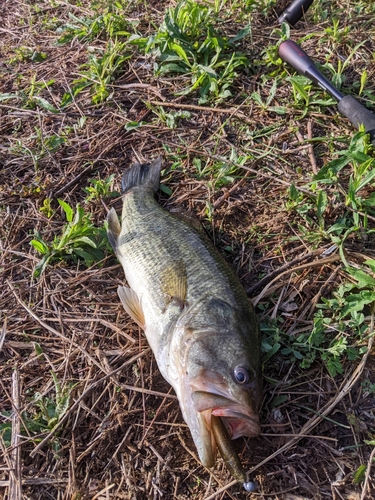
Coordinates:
(121, 435)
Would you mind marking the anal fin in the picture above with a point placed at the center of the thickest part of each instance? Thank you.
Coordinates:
(132, 305)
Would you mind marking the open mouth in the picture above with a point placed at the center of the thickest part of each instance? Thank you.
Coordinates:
(238, 419)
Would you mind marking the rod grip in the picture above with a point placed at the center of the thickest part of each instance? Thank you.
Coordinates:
(356, 113)
(291, 53)
(295, 11)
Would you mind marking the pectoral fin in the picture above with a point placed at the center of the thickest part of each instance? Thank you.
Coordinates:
(173, 282)
(132, 304)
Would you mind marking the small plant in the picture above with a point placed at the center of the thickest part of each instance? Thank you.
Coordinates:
(188, 43)
(80, 241)
(266, 105)
(44, 411)
(219, 173)
(23, 54)
(30, 97)
(172, 118)
(98, 73)
(46, 208)
(107, 25)
(41, 147)
(100, 189)
(52, 410)
(339, 327)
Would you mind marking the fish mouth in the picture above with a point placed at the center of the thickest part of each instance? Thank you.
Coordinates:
(239, 420)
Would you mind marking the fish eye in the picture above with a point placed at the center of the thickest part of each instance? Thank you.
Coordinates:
(241, 375)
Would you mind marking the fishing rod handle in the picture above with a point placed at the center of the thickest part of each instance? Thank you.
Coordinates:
(295, 11)
(291, 53)
(357, 114)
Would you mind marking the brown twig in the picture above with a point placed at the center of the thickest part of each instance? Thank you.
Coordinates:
(311, 148)
(82, 397)
(320, 262)
(15, 479)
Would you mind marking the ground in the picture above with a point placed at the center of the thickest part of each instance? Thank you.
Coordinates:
(85, 413)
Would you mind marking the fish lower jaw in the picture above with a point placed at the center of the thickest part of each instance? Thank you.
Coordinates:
(238, 424)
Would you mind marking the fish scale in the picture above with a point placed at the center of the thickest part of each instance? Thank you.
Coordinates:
(195, 313)
(151, 250)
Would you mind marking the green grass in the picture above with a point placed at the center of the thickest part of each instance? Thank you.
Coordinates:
(80, 240)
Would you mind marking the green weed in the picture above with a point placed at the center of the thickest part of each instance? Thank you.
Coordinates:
(99, 73)
(344, 186)
(219, 173)
(24, 54)
(30, 97)
(86, 29)
(42, 146)
(44, 413)
(266, 105)
(350, 180)
(339, 327)
(171, 118)
(188, 43)
(52, 410)
(100, 189)
(80, 241)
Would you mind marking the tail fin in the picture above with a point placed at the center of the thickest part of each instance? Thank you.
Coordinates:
(146, 174)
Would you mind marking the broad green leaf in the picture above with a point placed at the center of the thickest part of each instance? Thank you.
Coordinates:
(360, 474)
(85, 255)
(133, 125)
(357, 301)
(69, 212)
(44, 104)
(6, 97)
(271, 350)
(40, 246)
(364, 279)
(172, 68)
(278, 400)
(165, 189)
(241, 34)
(371, 264)
(321, 204)
(279, 110)
(334, 366)
(332, 168)
(79, 215)
(41, 265)
(85, 239)
(180, 51)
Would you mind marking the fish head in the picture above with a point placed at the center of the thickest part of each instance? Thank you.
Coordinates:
(221, 376)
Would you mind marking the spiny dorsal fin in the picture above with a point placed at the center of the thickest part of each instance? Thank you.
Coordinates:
(145, 174)
(132, 304)
(114, 229)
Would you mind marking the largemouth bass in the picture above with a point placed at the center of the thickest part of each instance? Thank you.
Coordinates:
(195, 313)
